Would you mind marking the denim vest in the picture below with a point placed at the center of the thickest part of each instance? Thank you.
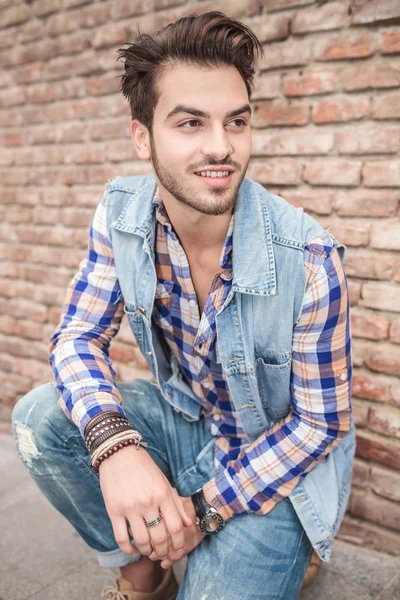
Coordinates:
(254, 326)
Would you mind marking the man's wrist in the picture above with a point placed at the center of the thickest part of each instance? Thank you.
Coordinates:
(208, 520)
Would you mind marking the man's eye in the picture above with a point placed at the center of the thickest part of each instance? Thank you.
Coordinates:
(239, 122)
(188, 124)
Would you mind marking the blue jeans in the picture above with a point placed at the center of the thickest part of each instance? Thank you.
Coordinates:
(252, 558)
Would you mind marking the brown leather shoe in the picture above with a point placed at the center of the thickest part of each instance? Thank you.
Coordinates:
(312, 570)
(122, 590)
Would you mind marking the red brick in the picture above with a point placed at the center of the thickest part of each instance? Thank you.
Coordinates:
(271, 115)
(386, 236)
(370, 266)
(369, 536)
(361, 473)
(375, 509)
(356, 45)
(14, 15)
(13, 96)
(315, 201)
(373, 75)
(360, 413)
(385, 420)
(77, 217)
(273, 28)
(368, 140)
(395, 393)
(366, 203)
(290, 53)
(16, 138)
(369, 388)
(297, 142)
(386, 483)
(307, 84)
(106, 129)
(340, 109)
(390, 41)
(20, 308)
(332, 171)
(109, 35)
(120, 151)
(272, 5)
(382, 174)
(89, 16)
(28, 330)
(351, 234)
(395, 332)
(373, 11)
(384, 451)
(34, 369)
(369, 326)
(384, 360)
(386, 106)
(329, 16)
(43, 8)
(275, 172)
(28, 73)
(121, 352)
(103, 84)
(160, 4)
(382, 296)
(73, 44)
(128, 8)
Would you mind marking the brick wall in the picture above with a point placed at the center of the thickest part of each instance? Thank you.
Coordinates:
(326, 137)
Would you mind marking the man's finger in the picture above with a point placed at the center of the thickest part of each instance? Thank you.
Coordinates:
(173, 523)
(140, 534)
(121, 535)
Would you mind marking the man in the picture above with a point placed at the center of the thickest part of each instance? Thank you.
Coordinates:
(239, 453)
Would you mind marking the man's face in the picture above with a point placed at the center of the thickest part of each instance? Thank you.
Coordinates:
(201, 130)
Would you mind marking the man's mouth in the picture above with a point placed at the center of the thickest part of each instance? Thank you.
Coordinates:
(219, 174)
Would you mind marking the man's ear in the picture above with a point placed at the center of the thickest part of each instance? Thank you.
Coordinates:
(141, 139)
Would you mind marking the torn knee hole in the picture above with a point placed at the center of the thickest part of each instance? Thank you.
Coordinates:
(26, 444)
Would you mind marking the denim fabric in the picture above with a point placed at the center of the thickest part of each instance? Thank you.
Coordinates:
(254, 327)
(253, 557)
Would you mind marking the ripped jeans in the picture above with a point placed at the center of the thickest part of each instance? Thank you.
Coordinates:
(252, 558)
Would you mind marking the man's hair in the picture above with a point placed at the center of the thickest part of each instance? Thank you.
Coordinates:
(210, 39)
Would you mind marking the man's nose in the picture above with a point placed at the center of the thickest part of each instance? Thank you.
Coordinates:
(217, 143)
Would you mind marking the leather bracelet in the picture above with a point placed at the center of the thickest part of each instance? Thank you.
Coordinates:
(107, 435)
(100, 417)
(107, 425)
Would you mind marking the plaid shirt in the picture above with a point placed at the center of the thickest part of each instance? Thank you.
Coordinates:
(249, 477)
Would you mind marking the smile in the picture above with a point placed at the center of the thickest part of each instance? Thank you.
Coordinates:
(214, 173)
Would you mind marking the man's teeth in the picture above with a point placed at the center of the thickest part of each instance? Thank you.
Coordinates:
(213, 173)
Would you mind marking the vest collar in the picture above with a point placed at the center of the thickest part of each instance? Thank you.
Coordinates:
(253, 254)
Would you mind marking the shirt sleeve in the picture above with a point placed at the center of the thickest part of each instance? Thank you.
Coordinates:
(91, 317)
(267, 470)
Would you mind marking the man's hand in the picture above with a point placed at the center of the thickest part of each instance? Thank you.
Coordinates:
(193, 536)
(135, 489)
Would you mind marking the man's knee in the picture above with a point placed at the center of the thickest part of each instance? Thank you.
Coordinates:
(29, 414)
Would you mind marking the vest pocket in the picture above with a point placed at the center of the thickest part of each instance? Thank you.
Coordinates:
(273, 377)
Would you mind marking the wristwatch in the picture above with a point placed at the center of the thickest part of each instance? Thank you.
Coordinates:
(208, 519)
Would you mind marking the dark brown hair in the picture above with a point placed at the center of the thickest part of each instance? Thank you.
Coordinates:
(209, 39)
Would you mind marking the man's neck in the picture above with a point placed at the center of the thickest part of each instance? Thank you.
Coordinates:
(198, 233)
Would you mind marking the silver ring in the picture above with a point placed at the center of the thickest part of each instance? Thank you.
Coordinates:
(155, 522)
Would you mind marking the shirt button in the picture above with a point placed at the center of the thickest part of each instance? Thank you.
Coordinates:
(207, 384)
(216, 417)
(192, 303)
(343, 376)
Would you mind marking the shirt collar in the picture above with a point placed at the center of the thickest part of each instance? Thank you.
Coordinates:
(225, 261)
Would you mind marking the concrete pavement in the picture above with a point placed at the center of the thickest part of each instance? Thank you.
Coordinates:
(42, 557)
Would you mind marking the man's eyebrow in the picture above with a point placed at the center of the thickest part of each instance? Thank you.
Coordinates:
(196, 112)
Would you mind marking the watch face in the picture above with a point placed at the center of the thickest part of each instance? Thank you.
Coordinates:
(211, 523)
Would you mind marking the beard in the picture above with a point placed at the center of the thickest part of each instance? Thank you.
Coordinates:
(223, 199)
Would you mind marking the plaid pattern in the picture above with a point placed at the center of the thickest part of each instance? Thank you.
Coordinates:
(249, 477)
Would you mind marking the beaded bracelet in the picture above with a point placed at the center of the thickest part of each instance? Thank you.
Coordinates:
(137, 440)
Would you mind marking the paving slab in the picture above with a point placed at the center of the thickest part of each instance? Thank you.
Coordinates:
(43, 557)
